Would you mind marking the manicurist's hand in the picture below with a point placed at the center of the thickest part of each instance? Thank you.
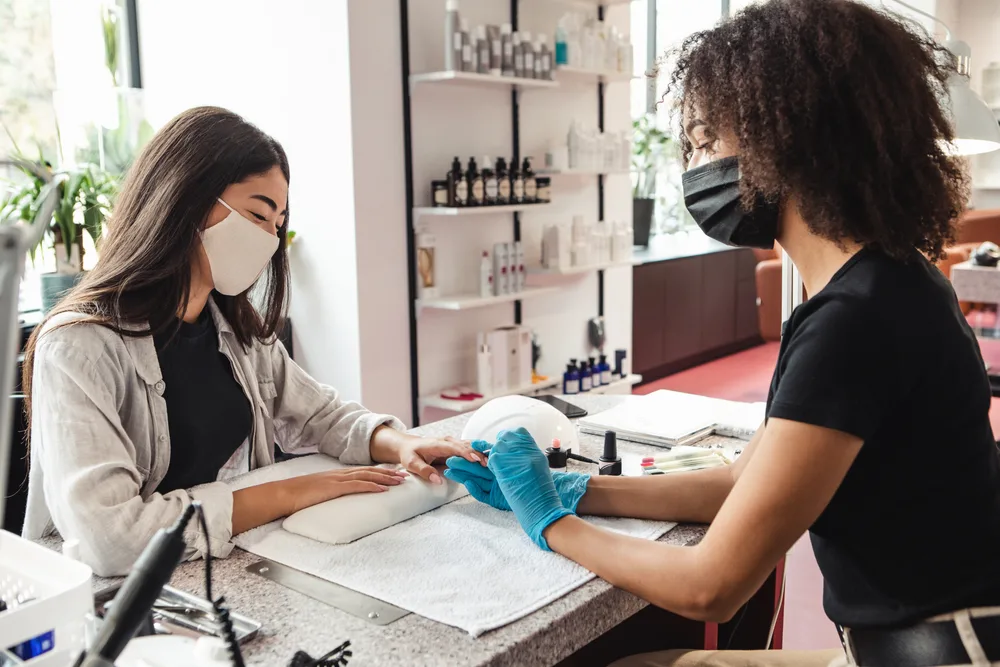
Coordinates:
(419, 455)
(522, 471)
(482, 483)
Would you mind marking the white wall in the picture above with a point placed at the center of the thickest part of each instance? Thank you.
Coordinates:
(283, 66)
(380, 205)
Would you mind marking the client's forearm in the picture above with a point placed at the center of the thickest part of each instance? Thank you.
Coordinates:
(257, 505)
(689, 496)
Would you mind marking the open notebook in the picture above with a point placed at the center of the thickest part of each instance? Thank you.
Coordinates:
(669, 418)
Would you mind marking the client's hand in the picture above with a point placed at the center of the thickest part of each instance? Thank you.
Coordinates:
(522, 472)
(482, 483)
(309, 490)
(419, 455)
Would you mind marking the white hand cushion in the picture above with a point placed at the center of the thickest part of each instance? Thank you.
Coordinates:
(349, 518)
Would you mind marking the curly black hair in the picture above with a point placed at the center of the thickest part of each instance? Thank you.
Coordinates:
(837, 105)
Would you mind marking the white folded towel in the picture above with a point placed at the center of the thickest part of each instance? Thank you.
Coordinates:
(464, 564)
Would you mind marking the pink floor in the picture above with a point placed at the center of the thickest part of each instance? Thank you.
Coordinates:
(746, 377)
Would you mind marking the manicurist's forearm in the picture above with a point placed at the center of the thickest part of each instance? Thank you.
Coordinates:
(668, 576)
(257, 505)
(691, 497)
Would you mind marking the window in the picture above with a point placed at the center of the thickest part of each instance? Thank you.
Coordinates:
(65, 98)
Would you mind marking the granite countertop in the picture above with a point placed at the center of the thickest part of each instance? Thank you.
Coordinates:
(292, 621)
(679, 245)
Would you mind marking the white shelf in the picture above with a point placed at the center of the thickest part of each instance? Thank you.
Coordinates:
(574, 270)
(587, 4)
(474, 210)
(476, 79)
(565, 72)
(468, 301)
(627, 381)
(582, 172)
(451, 405)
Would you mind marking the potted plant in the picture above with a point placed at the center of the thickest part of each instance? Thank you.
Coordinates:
(650, 145)
(86, 193)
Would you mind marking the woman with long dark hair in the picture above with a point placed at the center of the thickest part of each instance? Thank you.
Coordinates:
(157, 377)
(818, 124)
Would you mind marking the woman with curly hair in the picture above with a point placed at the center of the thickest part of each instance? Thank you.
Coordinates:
(818, 124)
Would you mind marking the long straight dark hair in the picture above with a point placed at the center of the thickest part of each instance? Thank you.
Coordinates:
(142, 279)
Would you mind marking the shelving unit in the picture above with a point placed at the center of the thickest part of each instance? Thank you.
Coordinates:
(575, 270)
(580, 75)
(581, 172)
(470, 211)
(435, 401)
(470, 301)
(481, 80)
(419, 217)
(586, 4)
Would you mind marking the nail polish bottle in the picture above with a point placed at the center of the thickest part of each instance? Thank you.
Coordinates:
(611, 463)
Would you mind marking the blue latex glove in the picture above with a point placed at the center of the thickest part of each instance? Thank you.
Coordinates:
(482, 483)
(522, 473)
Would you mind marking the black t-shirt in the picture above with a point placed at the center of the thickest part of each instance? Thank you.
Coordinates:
(207, 411)
(884, 353)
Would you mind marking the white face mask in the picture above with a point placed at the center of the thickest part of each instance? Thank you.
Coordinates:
(238, 252)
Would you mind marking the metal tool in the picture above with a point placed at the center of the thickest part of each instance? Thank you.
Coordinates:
(356, 604)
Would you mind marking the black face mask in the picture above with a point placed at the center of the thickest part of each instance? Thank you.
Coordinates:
(712, 196)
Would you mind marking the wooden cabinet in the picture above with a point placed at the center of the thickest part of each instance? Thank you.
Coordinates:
(690, 310)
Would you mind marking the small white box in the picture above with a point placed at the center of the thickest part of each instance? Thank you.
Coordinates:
(556, 248)
(515, 354)
(500, 349)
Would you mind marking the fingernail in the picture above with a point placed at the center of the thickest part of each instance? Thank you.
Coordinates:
(435, 478)
(383, 488)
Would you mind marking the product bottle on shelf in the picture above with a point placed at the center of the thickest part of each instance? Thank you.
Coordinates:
(544, 56)
(571, 379)
(496, 50)
(561, 44)
(519, 261)
(458, 187)
(528, 48)
(530, 184)
(539, 60)
(605, 368)
(503, 183)
(486, 276)
(586, 379)
(518, 56)
(490, 185)
(516, 184)
(466, 46)
(483, 46)
(507, 45)
(452, 37)
(595, 373)
(476, 190)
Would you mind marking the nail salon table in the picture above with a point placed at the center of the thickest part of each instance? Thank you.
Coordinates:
(592, 625)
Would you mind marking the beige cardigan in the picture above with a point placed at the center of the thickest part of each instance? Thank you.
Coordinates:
(100, 444)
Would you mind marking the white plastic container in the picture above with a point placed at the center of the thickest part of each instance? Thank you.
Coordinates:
(485, 275)
(484, 370)
(501, 282)
(63, 604)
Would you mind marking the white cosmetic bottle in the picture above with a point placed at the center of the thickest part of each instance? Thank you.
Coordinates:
(486, 275)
